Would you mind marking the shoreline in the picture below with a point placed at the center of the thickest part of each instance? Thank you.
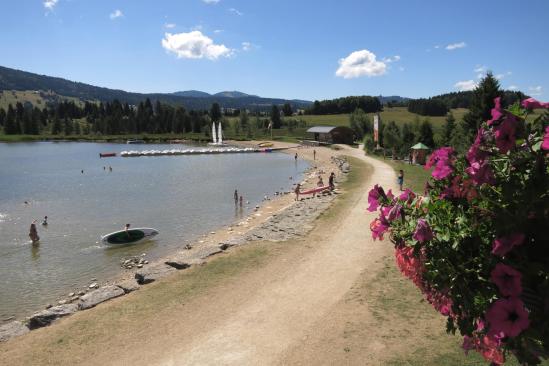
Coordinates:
(277, 219)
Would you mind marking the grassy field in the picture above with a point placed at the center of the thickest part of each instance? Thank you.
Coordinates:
(38, 99)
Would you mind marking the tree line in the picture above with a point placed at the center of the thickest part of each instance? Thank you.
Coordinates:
(345, 105)
(427, 107)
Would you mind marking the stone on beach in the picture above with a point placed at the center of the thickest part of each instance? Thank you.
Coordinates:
(100, 295)
(12, 329)
(153, 273)
(46, 317)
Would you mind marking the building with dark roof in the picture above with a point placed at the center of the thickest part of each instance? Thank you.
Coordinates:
(332, 134)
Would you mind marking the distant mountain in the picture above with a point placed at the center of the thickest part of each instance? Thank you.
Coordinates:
(193, 94)
(392, 98)
(11, 79)
(233, 94)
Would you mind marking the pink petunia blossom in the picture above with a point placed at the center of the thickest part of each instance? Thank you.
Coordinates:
(480, 172)
(390, 195)
(504, 244)
(374, 197)
(423, 231)
(395, 212)
(532, 103)
(545, 144)
(507, 317)
(385, 210)
(475, 152)
(407, 195)
(507, 279)
(378, 227)
(497, 111)
(505, 134)
(442, 160)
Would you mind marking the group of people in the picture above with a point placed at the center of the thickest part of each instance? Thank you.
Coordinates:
(319, 184)
(238, 199)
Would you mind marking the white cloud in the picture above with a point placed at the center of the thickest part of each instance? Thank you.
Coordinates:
(235, 11)
(246, 46)
(512, 87)
(480, 69)
(535, 90)
(455, 46)
(116, 14)
(437, 46)
(194, 45)
(170, 25)
(499, 76)
(217, 31)
(360, 63)
(391, 59)
(465, 85)
(50, 4)
(210, 1)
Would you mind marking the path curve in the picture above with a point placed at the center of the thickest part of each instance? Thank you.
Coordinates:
(270, 321)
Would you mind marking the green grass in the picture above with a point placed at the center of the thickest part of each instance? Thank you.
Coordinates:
(38, 99)
(415, 176)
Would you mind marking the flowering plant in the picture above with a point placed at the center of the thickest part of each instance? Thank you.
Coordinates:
(477, 242)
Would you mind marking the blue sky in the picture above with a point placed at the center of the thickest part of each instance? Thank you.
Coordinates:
(292, 49)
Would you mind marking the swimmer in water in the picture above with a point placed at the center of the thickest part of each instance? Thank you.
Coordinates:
(45, 222)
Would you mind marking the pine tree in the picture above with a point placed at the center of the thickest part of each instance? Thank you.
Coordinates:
(391, 137)
(408, 138)
(275, 117)
(460, 138)
(76, 128)
(244, 120)
(482, 103)
(2, 116)
(67, 129)
(426, 134)
(448, 129)
(56, 125)
(287, 110)
(10, 123)
(215, 113)
(360, 123)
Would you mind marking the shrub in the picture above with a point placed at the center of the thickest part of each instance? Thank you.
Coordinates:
(476, 243)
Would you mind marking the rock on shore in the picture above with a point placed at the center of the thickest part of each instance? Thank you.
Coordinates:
(46, 317)
(12, 329)
(100, 295)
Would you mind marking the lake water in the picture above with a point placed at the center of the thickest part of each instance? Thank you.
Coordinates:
(181, 196)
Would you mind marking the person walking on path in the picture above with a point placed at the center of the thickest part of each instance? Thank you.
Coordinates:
(297, 191)
(314, 154)
(400, 178)
(331, 181)
(33, 233)
(235, 197)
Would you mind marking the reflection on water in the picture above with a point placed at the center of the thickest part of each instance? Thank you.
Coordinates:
(181, 196)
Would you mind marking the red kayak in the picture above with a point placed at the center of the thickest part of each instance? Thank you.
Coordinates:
(315, 190)
(107, 155)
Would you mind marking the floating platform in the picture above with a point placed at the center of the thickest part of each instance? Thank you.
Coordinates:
(231, 150)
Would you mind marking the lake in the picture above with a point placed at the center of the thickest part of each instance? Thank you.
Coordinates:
(181, 196)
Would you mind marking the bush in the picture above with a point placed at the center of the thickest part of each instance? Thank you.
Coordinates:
(476, 243)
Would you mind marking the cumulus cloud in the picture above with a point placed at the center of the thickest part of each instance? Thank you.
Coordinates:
(235, 11)
(391, 59)
(50, 4)
(170, 25)
(465, 85)
(360, 63)
(512, 87)
(217, 31)
(455, 46)
(116, 14)
(194, 45)
(535, 90)
(210, 1)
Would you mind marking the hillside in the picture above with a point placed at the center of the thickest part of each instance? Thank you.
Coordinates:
(11, 79)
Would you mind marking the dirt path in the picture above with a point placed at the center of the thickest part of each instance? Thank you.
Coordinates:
(280, 313)
(262, 316)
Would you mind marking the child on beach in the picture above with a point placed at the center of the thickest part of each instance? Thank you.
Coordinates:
(331, 181)
(296, 191)
(400, 178)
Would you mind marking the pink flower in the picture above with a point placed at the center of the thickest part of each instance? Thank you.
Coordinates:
(378, 227)
(475, 152)
(407, 195)
(423, 231)
(390, 195)
(374, 196)
(507, 317)
(545, 144)
(505, 134)
(385, 210)
(531, 103)
(480, 172)
(497, 111)
(395, 212)
(441, 159)
(507, 279)
(504, 244)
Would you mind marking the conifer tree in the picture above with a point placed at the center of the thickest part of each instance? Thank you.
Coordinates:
(275, 117)
(448, 129)
(215, 113)
(426, 134)
(10, 123)
(482, 103)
